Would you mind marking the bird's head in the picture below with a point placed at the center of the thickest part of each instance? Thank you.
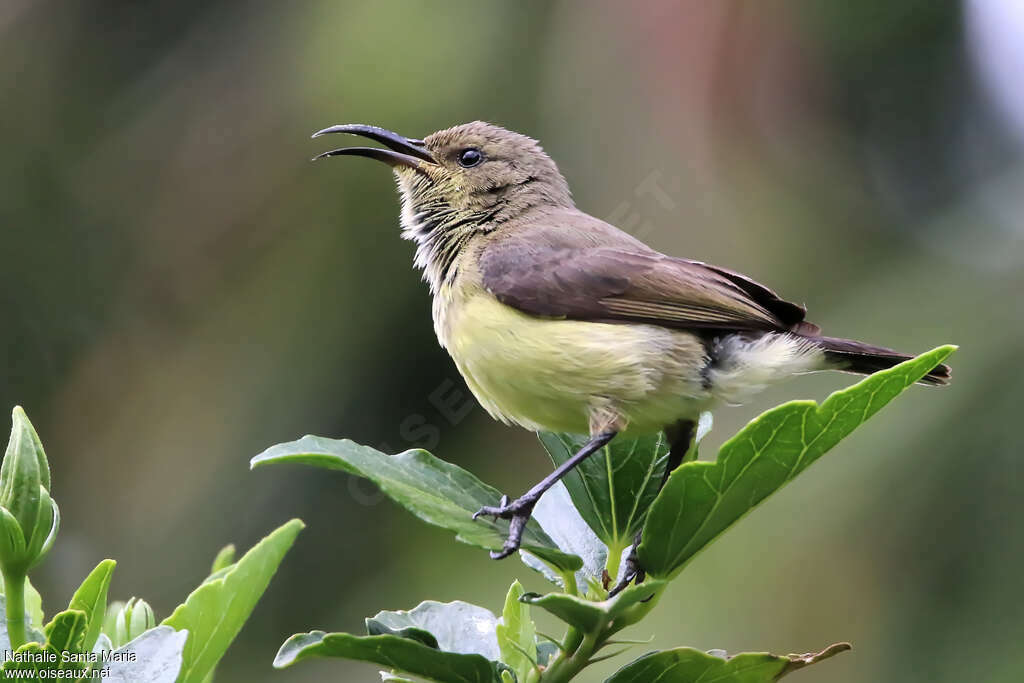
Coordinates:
(461, 181)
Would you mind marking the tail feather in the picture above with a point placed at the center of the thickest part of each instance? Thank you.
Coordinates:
(855, 356)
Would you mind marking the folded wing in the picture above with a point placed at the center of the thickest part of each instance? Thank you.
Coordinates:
(627, 282)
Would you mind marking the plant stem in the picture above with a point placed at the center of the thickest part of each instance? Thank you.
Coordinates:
(613, 561)
(566, 667)
(569, 582)
(14, 597)
(578, 648)
(571, 642)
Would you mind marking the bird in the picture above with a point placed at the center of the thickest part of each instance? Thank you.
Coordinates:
(559, 321)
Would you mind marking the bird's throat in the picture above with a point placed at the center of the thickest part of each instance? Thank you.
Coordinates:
(440, 232)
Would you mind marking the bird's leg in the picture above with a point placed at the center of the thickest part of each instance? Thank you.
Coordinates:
(520, 509)
(681, 437)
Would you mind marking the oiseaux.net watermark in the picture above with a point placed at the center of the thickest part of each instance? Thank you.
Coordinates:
(29, 661)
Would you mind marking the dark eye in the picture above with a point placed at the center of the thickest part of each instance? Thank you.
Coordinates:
(470, 157)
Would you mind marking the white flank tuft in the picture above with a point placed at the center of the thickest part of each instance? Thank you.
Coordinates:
(748, 366)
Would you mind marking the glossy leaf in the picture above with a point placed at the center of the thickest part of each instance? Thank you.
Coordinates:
(215, 612)
(686, 665)
(614, 487)
(91, 599)
(41, 539)
(225, 558)
(65, 635)
(589, 616)
(437, 492)
(376, 628)
(452, 626)
(407, 656)
(517, 635)
(702, 499)
(582, 614)
(66, 631)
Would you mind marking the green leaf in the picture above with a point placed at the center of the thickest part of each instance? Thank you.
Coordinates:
(91, 598)
(225, 558)
(215, 612)
(66, 631)
(589, 616)
(686, 665)
(437, 492)
(614, 487)
(12, 544)
(221, 564)
(376, 628)
(407, 656)
(33, 604)
(583, 614)
(65, 634)
(451, 626)
(44, 534)
(702, 499)
(517, 635)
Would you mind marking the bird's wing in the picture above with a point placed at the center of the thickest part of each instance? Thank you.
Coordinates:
(623, 283)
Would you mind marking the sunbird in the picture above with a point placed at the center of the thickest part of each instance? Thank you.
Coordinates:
(559, 321)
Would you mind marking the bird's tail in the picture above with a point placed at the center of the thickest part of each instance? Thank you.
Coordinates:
(855, 356)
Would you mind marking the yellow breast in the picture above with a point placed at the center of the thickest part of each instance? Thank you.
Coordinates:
(570, 376)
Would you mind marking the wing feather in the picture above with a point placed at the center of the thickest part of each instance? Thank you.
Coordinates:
(628, 282)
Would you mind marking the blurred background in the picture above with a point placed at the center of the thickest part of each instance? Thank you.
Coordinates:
(181, 288)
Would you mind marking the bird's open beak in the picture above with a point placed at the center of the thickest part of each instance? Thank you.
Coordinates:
(402, 151)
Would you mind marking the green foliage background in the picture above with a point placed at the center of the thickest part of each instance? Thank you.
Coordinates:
(180, 288)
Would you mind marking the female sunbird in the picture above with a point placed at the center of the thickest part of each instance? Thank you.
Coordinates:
(559, 321)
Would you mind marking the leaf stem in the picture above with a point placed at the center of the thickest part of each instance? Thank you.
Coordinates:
(565, 667)
(14, 600)
(569, 584)
(572, 641)
(611, 564)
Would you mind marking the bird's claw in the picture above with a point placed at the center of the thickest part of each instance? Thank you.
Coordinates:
(518, 513)
(502, 510)
(630, 571)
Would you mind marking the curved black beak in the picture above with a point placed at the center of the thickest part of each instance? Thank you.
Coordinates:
(402, 151)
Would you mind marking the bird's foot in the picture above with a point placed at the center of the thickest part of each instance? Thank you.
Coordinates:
(631, 571)
(518, 513)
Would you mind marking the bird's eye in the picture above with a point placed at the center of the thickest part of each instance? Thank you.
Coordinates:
(470, 157)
